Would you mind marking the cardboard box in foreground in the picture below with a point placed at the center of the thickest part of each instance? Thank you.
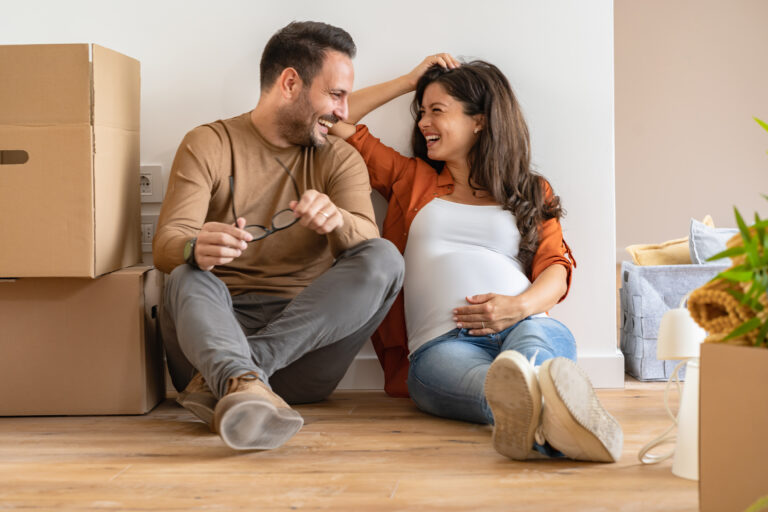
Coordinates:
(69, 161)
(733, 427)
(81, 346)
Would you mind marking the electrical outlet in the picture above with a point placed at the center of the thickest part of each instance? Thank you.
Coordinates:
(148, 228)
(147, 232)
(151, 183)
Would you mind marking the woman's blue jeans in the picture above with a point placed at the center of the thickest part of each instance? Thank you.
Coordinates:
(447, 374)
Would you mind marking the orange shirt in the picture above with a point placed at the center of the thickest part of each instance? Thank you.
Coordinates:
(408, 184)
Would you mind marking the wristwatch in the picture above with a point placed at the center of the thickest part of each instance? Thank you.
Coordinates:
(189, 253)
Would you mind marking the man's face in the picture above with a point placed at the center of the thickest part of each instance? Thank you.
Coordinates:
(306, 121)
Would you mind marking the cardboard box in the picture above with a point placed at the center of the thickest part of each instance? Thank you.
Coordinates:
(69, 161)
(81, 346)
(733, 427)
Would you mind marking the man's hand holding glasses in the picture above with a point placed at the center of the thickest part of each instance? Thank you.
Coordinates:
(219, 243)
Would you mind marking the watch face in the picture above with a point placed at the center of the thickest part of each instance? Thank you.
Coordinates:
(188, 248)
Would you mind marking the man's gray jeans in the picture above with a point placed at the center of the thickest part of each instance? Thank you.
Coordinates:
(302, 347)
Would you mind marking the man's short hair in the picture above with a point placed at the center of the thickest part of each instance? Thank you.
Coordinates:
(302, 45)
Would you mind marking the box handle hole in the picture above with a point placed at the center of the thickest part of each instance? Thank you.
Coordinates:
(13, 156)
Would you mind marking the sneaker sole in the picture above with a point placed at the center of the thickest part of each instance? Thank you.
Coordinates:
(247, 422)
(201, 405)
(515, 401)
(574, 421)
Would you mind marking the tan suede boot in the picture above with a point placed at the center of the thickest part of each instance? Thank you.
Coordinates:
(198, 398)
(573, 420)
(251, 417)
(513, 394)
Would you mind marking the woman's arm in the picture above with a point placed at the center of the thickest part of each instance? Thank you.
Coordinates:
(365, 100)
(490, 312)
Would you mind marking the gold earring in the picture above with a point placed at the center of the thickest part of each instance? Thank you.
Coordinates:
(476, 130)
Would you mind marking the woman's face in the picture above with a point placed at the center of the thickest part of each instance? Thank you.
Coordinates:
(449, 132)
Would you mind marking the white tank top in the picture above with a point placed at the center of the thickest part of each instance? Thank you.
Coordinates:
(457, 250)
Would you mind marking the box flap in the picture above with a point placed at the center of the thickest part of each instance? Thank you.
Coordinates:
(117, 212)
(116, 90)
(45, 84)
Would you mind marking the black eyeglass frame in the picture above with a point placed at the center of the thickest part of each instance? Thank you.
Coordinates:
(272, 229)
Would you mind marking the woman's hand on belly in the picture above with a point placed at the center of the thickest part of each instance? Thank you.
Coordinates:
(490, 313)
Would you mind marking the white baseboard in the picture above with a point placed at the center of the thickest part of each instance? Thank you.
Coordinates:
(364, 373)
(605, 371)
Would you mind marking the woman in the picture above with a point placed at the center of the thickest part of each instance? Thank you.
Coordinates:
(485, 259)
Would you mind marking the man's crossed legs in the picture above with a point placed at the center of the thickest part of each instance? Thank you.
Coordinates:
(243, 345)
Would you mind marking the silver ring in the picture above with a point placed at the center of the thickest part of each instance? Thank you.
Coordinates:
(483, 324)
(325, 214)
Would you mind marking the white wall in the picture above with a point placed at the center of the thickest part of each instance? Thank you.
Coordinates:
(200, 63)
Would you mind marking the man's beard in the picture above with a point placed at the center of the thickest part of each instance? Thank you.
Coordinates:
(297, 123)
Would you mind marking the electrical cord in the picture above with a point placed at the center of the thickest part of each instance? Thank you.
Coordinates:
(667, 437)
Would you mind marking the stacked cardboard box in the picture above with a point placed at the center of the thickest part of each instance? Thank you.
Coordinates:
(733, 421)
(78, 333)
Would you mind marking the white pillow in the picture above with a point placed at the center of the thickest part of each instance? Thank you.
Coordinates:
(705, 241)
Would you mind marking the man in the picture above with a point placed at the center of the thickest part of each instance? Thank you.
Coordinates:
(277, 274)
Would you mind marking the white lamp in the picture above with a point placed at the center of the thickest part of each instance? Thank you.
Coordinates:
(680, 338)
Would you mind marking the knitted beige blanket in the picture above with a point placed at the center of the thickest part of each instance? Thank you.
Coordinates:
(718, 312)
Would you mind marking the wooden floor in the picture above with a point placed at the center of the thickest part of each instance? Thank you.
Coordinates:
(359, 451)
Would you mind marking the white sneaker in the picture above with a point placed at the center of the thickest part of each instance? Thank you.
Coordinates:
(515, 400)
(573, 420)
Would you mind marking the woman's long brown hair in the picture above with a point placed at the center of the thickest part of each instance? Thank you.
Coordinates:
(500, 160)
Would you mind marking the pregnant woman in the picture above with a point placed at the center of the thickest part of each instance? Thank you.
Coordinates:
(469, 338)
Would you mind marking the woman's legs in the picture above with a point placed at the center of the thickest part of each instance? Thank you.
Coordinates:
(446, 376)
(573, 421)
(542, 337)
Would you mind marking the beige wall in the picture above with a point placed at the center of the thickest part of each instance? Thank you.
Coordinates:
(689, 77)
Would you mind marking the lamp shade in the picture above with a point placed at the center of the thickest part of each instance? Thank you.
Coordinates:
(679, 336)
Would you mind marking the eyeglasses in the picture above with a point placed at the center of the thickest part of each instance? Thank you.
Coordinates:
(281, 220)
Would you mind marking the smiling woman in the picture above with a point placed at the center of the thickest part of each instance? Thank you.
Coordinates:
(484, 261)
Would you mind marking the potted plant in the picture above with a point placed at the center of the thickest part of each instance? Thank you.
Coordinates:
(733, 306)
(733, 417)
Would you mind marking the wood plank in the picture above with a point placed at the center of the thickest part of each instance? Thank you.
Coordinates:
(357, 451)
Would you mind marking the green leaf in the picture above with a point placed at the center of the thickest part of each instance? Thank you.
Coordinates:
(728, 253)
(742, 225)
(752, 255)
(761, 123)
(751, 298)
(760, 230)
(736, 294)
(743, 329)
(762, 278)
(736, 276)
(761, 334)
